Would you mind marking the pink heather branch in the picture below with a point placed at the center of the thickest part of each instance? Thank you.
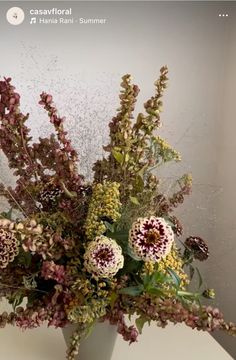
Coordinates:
(204, 318)
(14, 138)
(32, 162)
(14, 142)
(67, 154)
(117, 317)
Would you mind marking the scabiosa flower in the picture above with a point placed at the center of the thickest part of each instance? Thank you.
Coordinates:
(151, 238)
(49, 196)
(103, 257)
(198, 247)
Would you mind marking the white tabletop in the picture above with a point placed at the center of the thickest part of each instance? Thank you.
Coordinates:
(174, 342)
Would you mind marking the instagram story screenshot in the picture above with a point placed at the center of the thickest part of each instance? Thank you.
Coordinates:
(117, 180)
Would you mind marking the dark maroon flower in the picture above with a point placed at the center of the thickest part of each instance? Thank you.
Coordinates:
(198, 247)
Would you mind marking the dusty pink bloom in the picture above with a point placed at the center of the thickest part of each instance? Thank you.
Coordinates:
(50, 270)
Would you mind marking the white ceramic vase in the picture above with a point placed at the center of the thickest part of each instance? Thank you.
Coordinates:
(98, 345)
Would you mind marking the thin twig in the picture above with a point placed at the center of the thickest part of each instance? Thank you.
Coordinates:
(21, 288)
(21, 209)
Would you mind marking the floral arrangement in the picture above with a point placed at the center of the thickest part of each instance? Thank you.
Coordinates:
(79, 252)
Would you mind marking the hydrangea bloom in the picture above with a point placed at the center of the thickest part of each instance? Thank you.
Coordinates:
(103, 257)
(151, 238)
(50, 270)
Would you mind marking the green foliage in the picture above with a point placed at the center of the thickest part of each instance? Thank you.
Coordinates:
(134, 200)
(16, 299)
(24, 258)
(140, 322)
(194, 270)
(132, 266)
(57, 220)
(7, 215)
(132, 290)
(29, 281)
(176, 279)
(200, 280)
(118, 156)
(110, 227)
(121, 236)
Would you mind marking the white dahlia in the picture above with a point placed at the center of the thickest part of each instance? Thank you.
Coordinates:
(103, 257)
(151, 238)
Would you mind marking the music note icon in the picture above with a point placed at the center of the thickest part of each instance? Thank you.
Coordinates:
(33, 20)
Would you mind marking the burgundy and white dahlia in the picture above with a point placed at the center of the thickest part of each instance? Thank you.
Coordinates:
(9, 247)
(151, 238)
(103, 257)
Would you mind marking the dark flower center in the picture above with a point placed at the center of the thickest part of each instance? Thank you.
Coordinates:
(103, 254)
(153, 236)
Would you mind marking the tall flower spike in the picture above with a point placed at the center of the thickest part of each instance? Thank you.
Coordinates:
(106, 203)
(151, 238)
(67, 156)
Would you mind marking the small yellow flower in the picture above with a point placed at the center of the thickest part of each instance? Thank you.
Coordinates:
(174, 262)
(105, 202)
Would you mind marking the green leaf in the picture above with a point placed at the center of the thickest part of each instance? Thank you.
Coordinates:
(168, 220)
(132, 266)
(70, 194)
(118, 156)
(109, 226)
(29, 281)
(7, 215)
(131, 254)
(155, 291)
(200, 281)
(188, 294)
(89, 330)
(161, 278)
(121, 238)
(139, 184)
(31, 297)
(24, 258)
(142, 170)
(147, 280)
(113, 299)
(132, 290)
(191, 271)
(185, 293)
(140, 323)
(126, 157)
(16, 299)
(134, 200)
(157, 278)
(174, 276)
